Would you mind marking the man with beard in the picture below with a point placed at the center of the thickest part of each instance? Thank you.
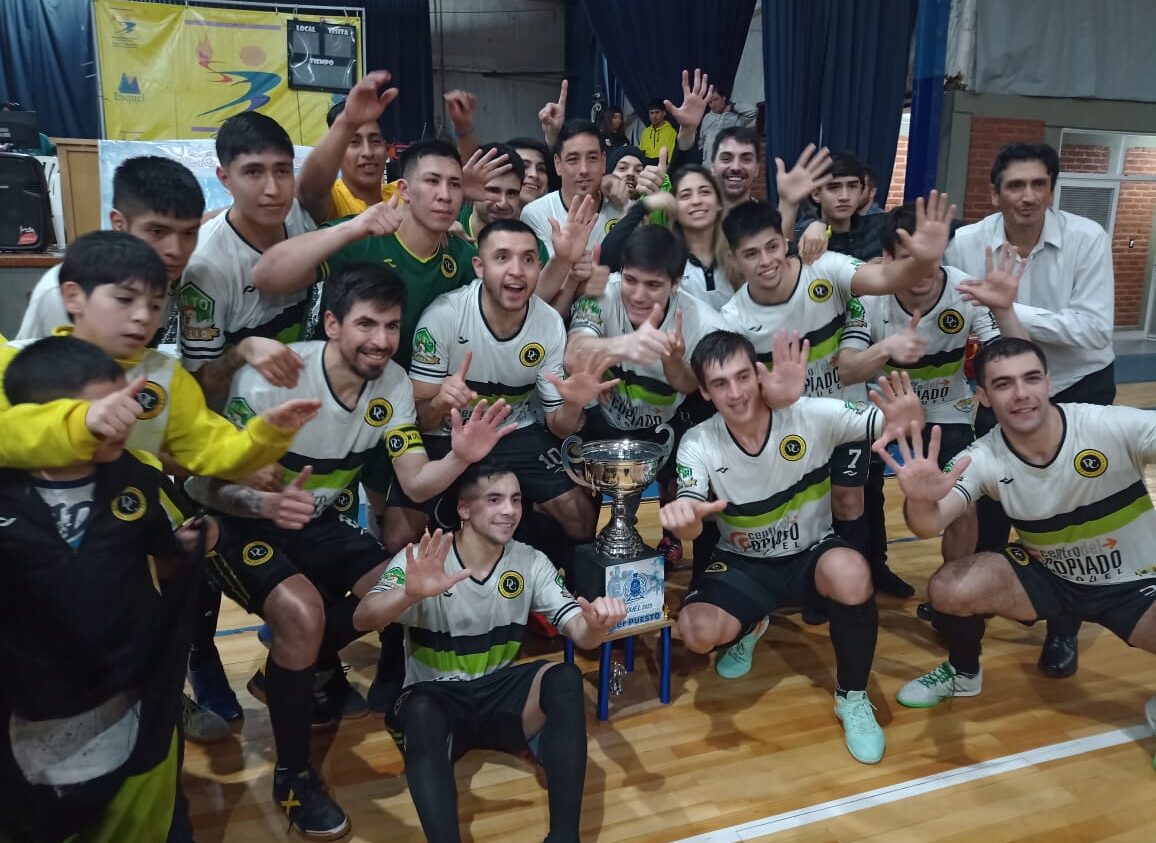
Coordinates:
(290, 557)
(736, 163)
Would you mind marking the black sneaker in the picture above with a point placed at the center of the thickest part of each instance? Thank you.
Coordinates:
(383, 693)
(815, 615)
(307, 806)
(335, 699)
(323, 716)
(890, 583)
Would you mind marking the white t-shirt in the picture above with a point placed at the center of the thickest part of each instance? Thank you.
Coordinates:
(710, 285)
(538, 214)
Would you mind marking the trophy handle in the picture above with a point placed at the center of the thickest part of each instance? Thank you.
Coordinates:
(669, 446)
(569, 464)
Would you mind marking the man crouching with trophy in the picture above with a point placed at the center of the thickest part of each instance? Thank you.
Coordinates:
(760, 466)
(463, 600)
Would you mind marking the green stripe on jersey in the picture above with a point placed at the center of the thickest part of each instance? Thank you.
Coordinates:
(1091, 529)
(340, 479)
(472, 664)
(815, 491)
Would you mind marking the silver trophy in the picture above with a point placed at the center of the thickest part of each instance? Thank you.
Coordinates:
(620, 469)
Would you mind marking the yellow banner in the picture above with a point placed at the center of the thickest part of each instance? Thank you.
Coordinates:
(178, 72)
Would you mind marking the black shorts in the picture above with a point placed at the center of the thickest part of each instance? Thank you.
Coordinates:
(532, 453)
(596, 427)
(254, 557)
(953, 438)
(749, 588)
(849, 464)
(484, 713)
(1117, 607)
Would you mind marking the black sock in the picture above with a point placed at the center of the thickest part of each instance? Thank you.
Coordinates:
(204, 647)
(429, 768)
(1063, 625)
(873, 510)
(290, 696)
(704, 546)
(964, 637)
(855, 532)
(339, 632)
(562, 749)
(854, 630)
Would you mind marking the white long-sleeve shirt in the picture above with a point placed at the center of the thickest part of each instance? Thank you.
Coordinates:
(1067, 295)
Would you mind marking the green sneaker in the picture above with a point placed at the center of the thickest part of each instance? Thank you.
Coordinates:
(863, 736)
(736, 661)
(940, 684)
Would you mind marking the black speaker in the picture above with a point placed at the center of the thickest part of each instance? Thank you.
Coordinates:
(25, 212)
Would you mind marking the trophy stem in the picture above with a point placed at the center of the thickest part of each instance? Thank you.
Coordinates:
(619, 538)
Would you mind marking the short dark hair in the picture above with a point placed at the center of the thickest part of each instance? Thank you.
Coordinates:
(656, 105)
(1005, 347)
(512, 225)
(112, 257)
(333, 112)
(57, 367)
(655, 248)
(432, 148)
(376, 283)
(749, 219)
(572, 129)
(1019, 151)
(898, 219)
(152, 184)
(744, 135)
(716, 348)
(250, 133)
(517, 166)
(481, 471)
(844, 164)
(529, 143)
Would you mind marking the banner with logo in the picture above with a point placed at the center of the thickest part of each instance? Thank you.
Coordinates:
(180, 71)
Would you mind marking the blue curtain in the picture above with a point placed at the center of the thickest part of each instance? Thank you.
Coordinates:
(648, 43)
(397, 38)
(47, 64)
(584, 63)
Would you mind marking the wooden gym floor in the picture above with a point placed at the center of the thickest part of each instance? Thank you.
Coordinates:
(761, 758)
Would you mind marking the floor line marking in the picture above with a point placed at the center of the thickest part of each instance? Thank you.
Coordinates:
(917, 787)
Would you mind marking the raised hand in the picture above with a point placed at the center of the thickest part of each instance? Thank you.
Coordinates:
(461, 106)
(425, 566)
(998, 290)
(677, 349)
(599, 276)
(585, 384)
(694, 99)
(478, 436)
(570, 238)
(553, 115)
(783, 383)
(292, 507)
(899, 404)
(664, 202)
(479, 170)
(684, 513)
(807, 176)
(920, 477)
(813, 242)
(111, 418)
(615, 190)
(648, 344)
(652, 175)
(380, 219)
(366, 101)
(908, 345)
(278, 363)
(455, 393)
(604, 613)
(932, 229)
(292, 415)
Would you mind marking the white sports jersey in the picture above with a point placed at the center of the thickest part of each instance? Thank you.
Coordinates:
(710, 285)
(336, 442)
(643, 399)
(778, 500)
(538, 214)
(514, 369)
(815, 309)
(1086, 513)
(219, 306)
(938, 376)
(476, 628)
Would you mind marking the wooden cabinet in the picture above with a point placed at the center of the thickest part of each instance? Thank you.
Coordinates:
(79, 185)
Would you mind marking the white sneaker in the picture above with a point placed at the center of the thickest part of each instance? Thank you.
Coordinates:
(861, 732)
(938, 685)
(202, 725)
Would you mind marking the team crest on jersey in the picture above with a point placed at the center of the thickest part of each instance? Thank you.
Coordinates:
(950, 321)
(449, 266)
(129, 505)
(196, 307)
(1017, 554)
(531, 355)
(855, 309)
(609, 225)
(792, 448)
(401, 440)
(393, 577)
(856, 406)
(378, 413)
(344, 501)
(685, 475)
(256, 553)
(152, 399)
(716, 568)
(820, 290)
(588, 310)
(560, 579)
(238, 411)
(425, 348)
(511, 585)
(1091, 463)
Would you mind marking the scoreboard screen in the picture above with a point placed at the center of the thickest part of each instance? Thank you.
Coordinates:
(322, 56)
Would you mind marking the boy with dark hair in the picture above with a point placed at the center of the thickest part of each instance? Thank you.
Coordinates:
(463, 690)
(536, 158)
(839, 222)
(503, 197)
(90, 698)
(659, 135)
(155, 199)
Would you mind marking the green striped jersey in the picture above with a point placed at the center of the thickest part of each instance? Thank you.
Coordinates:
(338, 440)
(779, 499)
(938, 376)
(643, 398)
(1087, 512)
(476, 627)
(514, 369)
(815, 309)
